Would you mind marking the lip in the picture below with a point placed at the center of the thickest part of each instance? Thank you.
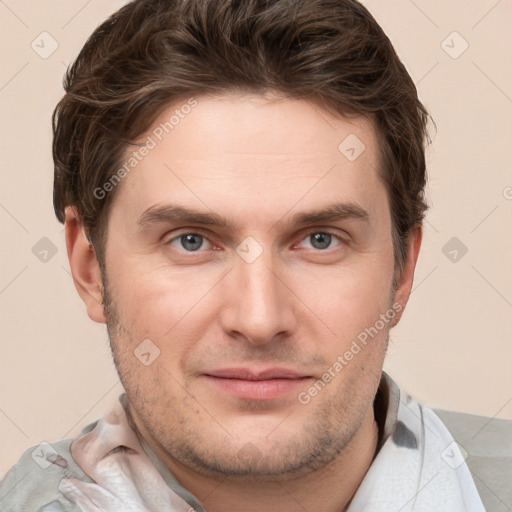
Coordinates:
(250, 374)
(250, 384)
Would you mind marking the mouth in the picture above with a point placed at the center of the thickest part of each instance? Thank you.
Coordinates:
(248, 384)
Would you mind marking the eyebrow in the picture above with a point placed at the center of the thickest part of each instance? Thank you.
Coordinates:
(330, 213)
(171, 213)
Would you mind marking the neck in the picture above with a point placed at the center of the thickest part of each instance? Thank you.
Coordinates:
(328, 489)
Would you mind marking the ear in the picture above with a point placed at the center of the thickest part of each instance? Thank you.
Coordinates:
(84, 266)
(404, 284)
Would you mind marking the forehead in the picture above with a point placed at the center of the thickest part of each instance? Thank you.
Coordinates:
(254, 154)
(269, 124)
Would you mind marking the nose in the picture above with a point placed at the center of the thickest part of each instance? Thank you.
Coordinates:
(259, 305)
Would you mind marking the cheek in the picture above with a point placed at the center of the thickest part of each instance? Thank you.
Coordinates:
(348, 298)
(163, 304)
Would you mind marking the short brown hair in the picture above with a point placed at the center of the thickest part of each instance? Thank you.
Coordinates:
(152, 52)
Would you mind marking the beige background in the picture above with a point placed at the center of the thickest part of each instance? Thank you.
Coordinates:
(453, 347)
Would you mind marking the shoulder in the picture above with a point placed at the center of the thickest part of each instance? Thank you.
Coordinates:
(32, 484)
(486, 443)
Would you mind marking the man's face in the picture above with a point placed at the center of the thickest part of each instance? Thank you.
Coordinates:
(249, 317)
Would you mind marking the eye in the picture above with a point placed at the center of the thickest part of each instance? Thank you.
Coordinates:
(320, 240)
(189, 242)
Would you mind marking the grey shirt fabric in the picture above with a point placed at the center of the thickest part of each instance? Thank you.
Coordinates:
(32, 485)
(488, 443)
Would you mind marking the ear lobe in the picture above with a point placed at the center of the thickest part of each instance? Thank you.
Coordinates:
(84, 266)
(404, 285)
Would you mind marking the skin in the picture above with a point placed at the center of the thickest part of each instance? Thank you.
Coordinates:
(257, 161)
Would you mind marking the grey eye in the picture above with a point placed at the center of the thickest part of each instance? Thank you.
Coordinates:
(191, 241)
(320, 240)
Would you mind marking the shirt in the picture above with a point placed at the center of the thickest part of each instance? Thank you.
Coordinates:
(110, 468)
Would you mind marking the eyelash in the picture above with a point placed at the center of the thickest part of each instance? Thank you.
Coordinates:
(303, 237)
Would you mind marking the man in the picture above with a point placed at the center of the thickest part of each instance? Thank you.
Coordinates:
(241, 184)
